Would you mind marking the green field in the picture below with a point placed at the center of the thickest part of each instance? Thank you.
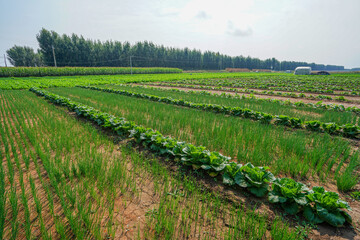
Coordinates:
(85, 164)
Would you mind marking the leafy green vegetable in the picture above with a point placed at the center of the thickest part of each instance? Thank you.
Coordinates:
(326, 206)
(295, 122)
(231, 172)
(331, 128)
(313, 125)
(289, 193)
(256, 179)
(282, 120)
(350, 130)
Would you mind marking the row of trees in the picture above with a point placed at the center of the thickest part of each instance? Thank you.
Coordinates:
(75, 50)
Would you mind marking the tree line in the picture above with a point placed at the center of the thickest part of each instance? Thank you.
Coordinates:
(76, 51)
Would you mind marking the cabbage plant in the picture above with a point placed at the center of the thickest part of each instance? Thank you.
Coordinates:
(327, 207)
(255, 179)
(289, 194)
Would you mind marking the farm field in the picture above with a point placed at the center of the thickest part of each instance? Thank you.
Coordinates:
(122, 159)
(287, 97)
(306, 112)
(55, 186)
(71, 81)
(316, 84)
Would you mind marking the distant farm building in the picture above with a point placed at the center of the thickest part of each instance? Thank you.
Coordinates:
(302, 71)
(237, 70)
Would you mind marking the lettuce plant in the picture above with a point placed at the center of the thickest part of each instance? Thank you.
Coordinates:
(350, 130)
(295, 122)
(289, 194)
(255, 179)
(266, 118)
(313, 125)
(232, 173)
(327, 207)
(199, 157)
(331, 128)
(282, 120)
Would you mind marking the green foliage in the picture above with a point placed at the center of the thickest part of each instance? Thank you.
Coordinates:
(299, 104)
(24, 57)
(341, 98)
(255, 179)
(327, 207)
(289, 194)
(70, 71)
(282, 120)
(314, 125)
(295, 122)
(231, 173)
(331, 128)
(348, 130)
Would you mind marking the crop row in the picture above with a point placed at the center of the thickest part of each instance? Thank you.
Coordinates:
(317, 205)
(268, 86)
(323, 84)
(347, 130)
(69, 71)
(318, 105)
(251, 91)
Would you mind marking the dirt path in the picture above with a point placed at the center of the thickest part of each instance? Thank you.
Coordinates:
(345, 104)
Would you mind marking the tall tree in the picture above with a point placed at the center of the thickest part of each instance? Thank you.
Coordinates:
(24, 57)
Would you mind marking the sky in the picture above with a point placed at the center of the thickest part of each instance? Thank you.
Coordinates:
(320, 31)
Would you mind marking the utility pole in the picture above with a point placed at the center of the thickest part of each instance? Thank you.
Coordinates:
(54, 55)
(130, 65)
(5, 60)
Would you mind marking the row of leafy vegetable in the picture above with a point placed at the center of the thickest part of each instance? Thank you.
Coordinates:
(317, 205)
(318, 105)
(238, 90)
(347, 130)
(283, 84)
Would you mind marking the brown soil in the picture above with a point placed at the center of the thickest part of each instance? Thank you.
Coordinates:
(130, 210)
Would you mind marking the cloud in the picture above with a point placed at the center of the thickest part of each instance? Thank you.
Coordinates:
(237, 32)
(202, 15)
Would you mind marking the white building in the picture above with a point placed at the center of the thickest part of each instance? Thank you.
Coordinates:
(302, 71)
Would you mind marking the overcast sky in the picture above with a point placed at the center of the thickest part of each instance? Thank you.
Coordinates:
(320, 31)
